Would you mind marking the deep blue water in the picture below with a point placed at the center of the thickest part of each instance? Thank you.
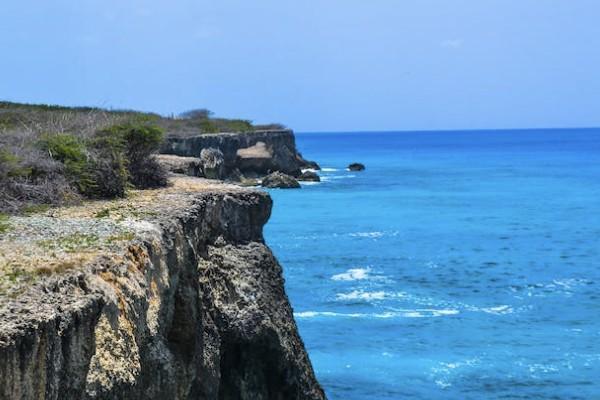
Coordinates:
(459, 265)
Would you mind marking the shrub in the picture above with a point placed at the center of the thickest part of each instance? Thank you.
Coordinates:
(139, 142)
(208, 126)
(199, 113)
(10, 166)
(238, 125)
(110, 166)
(72, 153)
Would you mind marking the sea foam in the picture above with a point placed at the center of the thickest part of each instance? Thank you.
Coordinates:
(361, 295)
(353, 274)
(407, 313)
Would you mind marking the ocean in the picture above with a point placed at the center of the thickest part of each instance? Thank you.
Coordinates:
(458, 265)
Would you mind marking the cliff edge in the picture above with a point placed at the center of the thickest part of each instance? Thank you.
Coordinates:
(250, 154)
(168, 294)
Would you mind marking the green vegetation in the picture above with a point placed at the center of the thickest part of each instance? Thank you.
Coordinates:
(138, 143)
(4, 224)
(35, 209)
(70, 243)
(203, 120)
(104, 213)
(56, 155)
(72, 153)
(121, 237)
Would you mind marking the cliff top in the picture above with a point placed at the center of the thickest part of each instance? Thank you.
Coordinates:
(56, 155)
(58, 240)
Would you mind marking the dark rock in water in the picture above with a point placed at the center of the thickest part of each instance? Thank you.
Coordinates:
(281, 181)
(306, 164)
(213, 163)
(356, 167)
(309, 176)
(191, 166)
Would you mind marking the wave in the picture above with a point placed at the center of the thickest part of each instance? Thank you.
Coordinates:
(362, 295)
(427, 304)
(308, 183)
(353, 274)
(565, 287)
(372, 235)
(329, 169)
(401, 313)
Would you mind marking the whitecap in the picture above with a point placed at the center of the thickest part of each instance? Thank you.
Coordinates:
(329, 169)
(372, 235)
(418, 313)
(353, 274)
(308, 183)
(361, 295)
(498, 310)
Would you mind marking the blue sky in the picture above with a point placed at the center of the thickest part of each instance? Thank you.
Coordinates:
(326, 65)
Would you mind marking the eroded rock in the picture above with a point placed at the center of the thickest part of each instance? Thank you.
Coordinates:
(309, 176)
(190, 306)
(191, 166)
(280, 180)
(213, 163)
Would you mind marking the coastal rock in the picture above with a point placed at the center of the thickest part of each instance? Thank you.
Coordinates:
(254, 157)
(257, 158)
(281, 181)
(213, 163)
(356, 167)
(189, 305)
(191, 166)
(306, 164)
(309, 176)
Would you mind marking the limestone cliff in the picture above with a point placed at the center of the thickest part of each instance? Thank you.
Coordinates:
(171, 294)
(257, 152)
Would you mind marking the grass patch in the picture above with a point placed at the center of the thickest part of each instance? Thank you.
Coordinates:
(70, 243)
(4, 224)
(121, 237)
(35, 209)
(104, 213)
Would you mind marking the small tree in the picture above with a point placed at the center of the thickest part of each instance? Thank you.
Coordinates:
(199, 113)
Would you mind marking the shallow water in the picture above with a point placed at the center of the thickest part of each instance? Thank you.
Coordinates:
(459, 265)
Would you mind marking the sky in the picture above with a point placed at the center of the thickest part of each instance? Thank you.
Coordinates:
(313, 65)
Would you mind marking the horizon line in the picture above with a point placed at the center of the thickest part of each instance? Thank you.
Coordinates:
(578, 128)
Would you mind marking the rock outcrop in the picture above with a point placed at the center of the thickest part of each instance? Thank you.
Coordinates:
(191, 166)
(356, 167)
(213, 163)
(176, 297)
(252, 153)
(309, 176)
(280, 181)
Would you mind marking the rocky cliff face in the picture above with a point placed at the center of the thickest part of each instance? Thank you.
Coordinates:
(185, 302)
(258, 152)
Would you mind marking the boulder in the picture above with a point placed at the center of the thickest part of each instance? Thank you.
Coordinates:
(280, 180)
(191, 166)
(356, 167)
(309, 176)
(213, 163)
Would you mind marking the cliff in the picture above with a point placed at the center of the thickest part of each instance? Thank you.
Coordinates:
(169, 294)
(258, 152)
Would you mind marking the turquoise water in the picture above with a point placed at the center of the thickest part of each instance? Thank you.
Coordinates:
(459, 265)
